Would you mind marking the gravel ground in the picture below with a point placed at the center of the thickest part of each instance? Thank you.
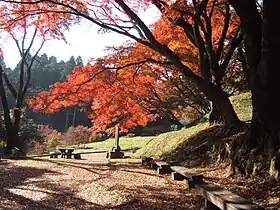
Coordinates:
(90, 183)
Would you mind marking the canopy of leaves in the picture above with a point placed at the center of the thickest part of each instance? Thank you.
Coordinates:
(131, 86)
(164, 51)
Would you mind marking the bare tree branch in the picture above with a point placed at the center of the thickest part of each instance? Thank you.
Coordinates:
(9, 85)
(224, 32)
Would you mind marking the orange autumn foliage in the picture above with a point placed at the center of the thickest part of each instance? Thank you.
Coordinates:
(110, 97)
(115, 94)
(112, 86)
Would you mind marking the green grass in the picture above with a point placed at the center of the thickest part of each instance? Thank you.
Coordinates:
(157, 146)
(242, 104)
(126, 143)
(168, 141)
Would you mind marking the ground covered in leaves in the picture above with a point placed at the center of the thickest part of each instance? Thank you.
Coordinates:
(258, 189)
(90, 183)
(208, 152)
(96, 183)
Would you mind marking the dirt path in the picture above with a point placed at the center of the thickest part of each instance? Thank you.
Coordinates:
(90, 183)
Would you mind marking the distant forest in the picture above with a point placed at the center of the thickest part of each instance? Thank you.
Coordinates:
(46, 71)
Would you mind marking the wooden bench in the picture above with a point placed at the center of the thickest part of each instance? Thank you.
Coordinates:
(76, 155)
(161, 167)
(217, 197)
(54, 154)
(66, 152)
(183, 173)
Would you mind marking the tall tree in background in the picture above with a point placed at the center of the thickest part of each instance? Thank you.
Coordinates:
(12, 123)
(46, 71)
(120, 17)
(213, 29)
(126, 98)
(131, 86)
(70, 64)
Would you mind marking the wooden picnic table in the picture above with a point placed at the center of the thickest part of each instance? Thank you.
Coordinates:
(66, 152)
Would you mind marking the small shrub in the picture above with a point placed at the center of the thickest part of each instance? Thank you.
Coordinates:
(95, 137)
(29, 133)
(40, 148)
(50, 139)
(77, 135)
(54, 143)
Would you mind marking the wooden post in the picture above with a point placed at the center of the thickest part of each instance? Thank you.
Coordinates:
(116, 150)
(117, 146)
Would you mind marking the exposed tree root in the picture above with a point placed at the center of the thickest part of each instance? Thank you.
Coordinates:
(255, 155)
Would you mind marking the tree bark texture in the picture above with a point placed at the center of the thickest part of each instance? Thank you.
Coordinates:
(263, 51)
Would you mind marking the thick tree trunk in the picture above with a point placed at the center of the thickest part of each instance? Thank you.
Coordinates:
(266, 86)
(215, 115)
(221, 104)
(262, 142)
(12, 139)
(16, 119)
(11, 133)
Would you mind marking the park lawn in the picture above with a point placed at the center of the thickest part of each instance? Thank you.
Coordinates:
(242, 104)
(168, 142)
(162, 144)
(126, 143)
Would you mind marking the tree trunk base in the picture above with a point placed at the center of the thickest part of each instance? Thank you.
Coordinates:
(215, 117)
(251, 155)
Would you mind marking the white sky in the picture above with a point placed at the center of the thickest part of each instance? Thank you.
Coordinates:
(82, 39)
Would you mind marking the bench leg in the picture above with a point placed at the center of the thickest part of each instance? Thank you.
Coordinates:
(197, 180)
(68, 155)
(190, 184)
(77, 156)
(177, 176)
(163, 170)
(153, 166)
(145, 163)
(210, 206)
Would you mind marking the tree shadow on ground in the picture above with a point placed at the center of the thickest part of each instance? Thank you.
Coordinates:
(15, 195)
(256, 189)
(94, 167)
(90, 167)
(24, 187)
(155, 198)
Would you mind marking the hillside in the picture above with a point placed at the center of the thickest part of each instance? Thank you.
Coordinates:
(201, 140)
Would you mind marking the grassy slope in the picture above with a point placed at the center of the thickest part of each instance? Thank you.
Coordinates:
(243, 106)
(167, 142)
(159, 145)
